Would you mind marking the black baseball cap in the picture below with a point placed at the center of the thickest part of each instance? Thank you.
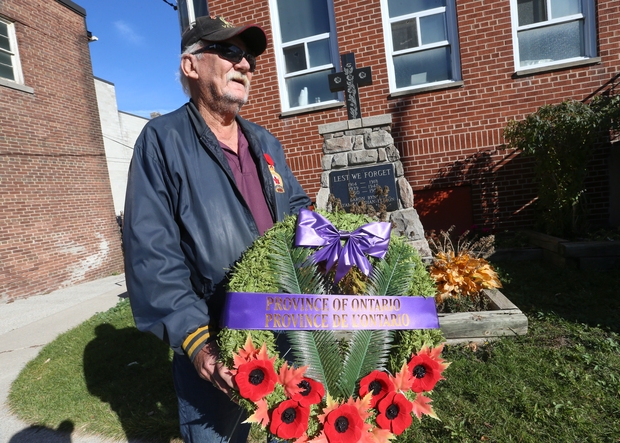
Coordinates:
(217, 29)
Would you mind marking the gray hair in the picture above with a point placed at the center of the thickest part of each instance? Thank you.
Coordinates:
(182, 78)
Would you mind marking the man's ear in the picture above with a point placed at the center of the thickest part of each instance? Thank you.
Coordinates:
(188, 66)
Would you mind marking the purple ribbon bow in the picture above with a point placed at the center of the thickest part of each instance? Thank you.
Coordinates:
(314, 230)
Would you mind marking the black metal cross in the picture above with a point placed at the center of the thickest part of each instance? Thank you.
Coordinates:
(349, 81)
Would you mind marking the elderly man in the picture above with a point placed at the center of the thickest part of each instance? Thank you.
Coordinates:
(203, 185)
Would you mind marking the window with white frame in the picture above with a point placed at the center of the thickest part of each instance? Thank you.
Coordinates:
(421, 41)
(306, 48)
(548, 32)
(10, 68)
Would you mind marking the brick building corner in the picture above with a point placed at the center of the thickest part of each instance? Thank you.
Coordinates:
(57, 221)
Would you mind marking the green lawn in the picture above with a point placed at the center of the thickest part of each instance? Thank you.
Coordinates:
(560, 383)
(105, 377)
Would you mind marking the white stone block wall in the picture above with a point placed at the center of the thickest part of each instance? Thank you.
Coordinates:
(120, 132)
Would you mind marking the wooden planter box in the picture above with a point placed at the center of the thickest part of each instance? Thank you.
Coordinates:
(504, 319)
(588, 255)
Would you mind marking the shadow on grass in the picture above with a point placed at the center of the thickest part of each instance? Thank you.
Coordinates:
(582, 296)
(131, 371)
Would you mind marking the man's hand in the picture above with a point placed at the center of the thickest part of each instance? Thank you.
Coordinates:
(211, 370)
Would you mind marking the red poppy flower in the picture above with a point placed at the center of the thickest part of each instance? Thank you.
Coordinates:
(311, 392)
(289, 420)
(378, 383)
(425, 373)
(394, 413)
(343, 425)
(256, 379)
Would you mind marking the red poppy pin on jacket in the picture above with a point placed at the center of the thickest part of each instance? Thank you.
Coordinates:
(277, 178)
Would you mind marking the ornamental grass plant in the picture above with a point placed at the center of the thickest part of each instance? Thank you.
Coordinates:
(461, 271)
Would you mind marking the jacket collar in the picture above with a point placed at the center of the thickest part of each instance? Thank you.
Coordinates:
(208, 140)
(212, 146)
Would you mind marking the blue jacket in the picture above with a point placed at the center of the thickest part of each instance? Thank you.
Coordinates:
(186, 223)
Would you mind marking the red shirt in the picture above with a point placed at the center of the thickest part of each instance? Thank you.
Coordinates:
(244, 169)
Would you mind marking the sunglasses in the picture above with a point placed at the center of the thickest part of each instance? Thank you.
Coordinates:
(231, 53)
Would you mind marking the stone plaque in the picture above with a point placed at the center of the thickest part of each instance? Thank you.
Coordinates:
(363, 183)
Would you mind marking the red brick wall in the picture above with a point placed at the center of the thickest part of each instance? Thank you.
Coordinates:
(446, 137)
(57, 220)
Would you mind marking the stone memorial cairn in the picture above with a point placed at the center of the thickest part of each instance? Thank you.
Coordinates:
(361, 154)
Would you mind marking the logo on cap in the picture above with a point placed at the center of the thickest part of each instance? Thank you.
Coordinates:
(226, 24)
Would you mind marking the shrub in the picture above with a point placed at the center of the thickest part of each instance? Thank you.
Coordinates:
(560, 138)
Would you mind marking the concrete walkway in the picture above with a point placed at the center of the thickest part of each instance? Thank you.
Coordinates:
(26, 326)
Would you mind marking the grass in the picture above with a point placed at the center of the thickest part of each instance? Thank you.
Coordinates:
(104, 377)
(559, 383)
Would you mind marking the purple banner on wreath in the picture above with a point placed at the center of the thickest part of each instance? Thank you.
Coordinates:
(258, 310)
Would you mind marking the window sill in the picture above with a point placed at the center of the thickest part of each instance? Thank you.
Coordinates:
(455, 84)
(531, 71)
(314, 108)
(13, 85)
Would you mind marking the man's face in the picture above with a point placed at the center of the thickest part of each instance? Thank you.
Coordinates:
(225, 85)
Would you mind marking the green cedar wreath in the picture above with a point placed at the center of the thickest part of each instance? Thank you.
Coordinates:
(332, 386)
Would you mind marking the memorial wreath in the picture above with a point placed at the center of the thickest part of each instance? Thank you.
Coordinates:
(330, 331)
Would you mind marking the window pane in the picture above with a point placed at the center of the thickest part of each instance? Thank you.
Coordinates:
(310, 88)
(6, 68)
(433, 29)
(4, 37)
(562, 8)
(302, 18)
(200, 8)
(319, 53)
(402, 7)
(551, 43)
(295, 58)
(422, 67)
(5, 43)
(531, 11)
(405, 35)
